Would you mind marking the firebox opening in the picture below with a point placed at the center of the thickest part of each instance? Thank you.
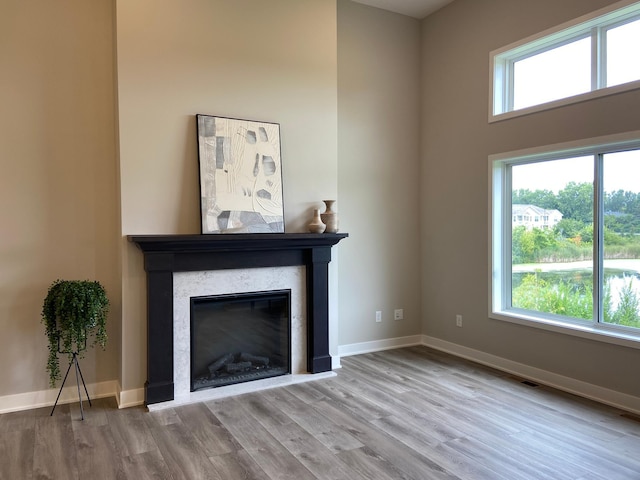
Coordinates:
(239, 338)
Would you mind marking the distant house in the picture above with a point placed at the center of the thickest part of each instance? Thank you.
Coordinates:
(531, 216)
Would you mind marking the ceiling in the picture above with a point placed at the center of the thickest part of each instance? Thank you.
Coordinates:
(412, 8)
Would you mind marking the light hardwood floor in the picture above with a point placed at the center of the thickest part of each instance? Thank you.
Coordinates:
(410, 413)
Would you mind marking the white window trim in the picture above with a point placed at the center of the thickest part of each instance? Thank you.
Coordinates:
(602, 20)
(500, 238)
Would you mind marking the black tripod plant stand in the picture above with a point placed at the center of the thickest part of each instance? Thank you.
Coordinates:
(75, 363)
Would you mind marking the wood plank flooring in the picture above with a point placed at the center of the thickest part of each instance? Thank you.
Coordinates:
(410, 413)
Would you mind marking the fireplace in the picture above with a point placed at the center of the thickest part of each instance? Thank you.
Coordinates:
(239, 338)
(204, 262)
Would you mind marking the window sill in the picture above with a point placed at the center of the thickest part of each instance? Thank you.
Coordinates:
(601, 334)
(603, 92)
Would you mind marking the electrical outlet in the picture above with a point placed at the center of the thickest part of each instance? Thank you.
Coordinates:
(378, 316)
(458, 320)
(398, 314)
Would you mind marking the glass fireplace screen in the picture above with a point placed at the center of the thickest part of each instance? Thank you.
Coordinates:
(239, 338)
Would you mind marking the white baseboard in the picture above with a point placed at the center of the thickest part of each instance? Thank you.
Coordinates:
(544, 377)
(130, 398)
(46, 398)
(335, 362)
(378, 345)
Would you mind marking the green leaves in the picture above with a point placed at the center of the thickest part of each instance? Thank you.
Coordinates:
(531, 246)
(628, 311)
(576, 300)
(72, 311)
(561, 298)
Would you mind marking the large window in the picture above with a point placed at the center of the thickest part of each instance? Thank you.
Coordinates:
(593, 56)
(578, 265)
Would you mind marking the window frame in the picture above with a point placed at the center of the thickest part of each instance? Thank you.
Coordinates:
(500, 237)
(594, 25)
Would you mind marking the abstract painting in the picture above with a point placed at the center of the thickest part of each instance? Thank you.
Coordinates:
(240, 176)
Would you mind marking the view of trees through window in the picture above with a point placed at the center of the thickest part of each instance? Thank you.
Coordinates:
(552, 256)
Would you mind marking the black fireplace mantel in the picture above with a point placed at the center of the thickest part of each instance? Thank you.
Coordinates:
(166, 254)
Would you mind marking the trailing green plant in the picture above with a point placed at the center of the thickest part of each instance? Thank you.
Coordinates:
(72, 311)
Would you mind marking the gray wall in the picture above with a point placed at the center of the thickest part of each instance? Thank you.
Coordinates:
(58, 186)
(456, 141)
(378, 172)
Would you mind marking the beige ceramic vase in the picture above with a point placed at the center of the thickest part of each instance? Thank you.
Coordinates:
(330, 217)
(316, 225)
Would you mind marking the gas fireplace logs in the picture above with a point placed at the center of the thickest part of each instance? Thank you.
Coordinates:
(235, 363)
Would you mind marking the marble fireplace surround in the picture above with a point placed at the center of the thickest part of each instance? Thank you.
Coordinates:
(220, 282)
(204, 256)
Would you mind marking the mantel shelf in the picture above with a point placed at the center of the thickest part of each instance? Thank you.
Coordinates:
(241, 241)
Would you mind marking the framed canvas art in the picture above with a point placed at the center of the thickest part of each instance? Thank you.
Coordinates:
(240, 176)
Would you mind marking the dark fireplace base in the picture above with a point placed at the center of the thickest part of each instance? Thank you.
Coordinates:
(166, 254)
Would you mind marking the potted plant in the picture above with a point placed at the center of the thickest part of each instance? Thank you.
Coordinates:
(72, 311)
